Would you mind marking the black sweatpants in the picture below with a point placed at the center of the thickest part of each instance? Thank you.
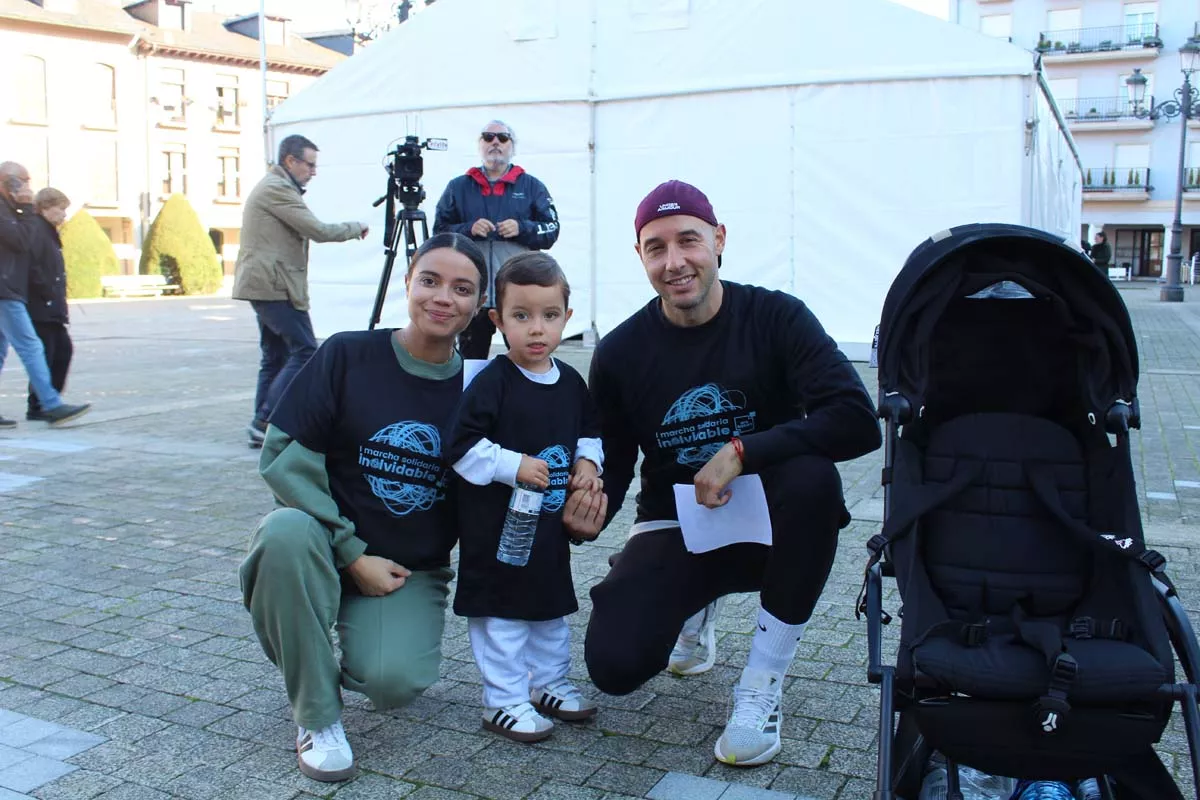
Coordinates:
(57, 343)
(656, 584)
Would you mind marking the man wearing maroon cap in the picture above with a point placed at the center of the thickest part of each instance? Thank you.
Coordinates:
(711, 380)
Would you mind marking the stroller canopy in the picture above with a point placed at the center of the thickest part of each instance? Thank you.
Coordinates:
(934, 305)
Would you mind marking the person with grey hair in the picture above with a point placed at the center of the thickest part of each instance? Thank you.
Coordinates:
(19, 241)
(505, 210)
(272, 271)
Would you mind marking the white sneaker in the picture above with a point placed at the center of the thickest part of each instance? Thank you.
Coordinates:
(696, 648)
(521, 723)
(752, 735)
(325, 755)
(561, 699)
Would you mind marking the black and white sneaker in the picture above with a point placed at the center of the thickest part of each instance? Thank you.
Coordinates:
(7, 424)
(521, 723)
(752, 735)
(325, 755)
(561, 699)
(695, 650)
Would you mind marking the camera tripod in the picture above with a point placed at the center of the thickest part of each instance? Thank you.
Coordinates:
(398, 227)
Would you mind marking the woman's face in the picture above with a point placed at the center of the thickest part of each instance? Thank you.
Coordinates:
(443, 293)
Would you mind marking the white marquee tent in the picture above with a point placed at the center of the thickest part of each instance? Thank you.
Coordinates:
(832, 138)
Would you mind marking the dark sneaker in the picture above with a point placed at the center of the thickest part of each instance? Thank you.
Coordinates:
(36, 416)
(257, 430)
(65, 413)
(7, 424)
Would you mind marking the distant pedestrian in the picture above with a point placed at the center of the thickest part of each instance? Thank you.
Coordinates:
(48, 294)
(272, 271)
(1101, 252)
(18, 236)
(505, 210)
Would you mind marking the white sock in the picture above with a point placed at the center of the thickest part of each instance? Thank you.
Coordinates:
(774, 644)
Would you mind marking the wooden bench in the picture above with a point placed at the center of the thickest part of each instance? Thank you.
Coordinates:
(135, 285)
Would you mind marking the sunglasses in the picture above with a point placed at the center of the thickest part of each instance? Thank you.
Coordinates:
(490, 137)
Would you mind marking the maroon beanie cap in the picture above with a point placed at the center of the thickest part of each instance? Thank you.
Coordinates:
(671, 198)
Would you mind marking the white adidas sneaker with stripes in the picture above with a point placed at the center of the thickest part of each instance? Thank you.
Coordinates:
(325, 755)
(521, 723)
(561, 699)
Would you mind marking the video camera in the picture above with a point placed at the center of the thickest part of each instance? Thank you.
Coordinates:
(406, 168)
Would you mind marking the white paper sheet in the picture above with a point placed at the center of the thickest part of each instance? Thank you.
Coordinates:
(745, 518)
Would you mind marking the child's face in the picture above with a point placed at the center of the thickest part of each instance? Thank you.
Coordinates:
(54, 215)
(533, 319)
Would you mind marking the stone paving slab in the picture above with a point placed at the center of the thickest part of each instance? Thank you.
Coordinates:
(120, 614)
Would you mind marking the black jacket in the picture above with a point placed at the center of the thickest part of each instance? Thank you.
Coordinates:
(17, 232)
(47, 276)
(516, 195)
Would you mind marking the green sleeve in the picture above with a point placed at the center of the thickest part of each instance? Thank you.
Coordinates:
(297, 477)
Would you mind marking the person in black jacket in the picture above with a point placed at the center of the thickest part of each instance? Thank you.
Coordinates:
(505, 210)
(18, 234)
(712, 380)
(48, 295)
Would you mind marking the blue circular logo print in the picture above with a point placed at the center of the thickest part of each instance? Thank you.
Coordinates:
(683, 423)
(559, 461)
(406, 472)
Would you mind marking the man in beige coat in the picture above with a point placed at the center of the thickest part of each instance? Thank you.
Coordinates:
(272, 271)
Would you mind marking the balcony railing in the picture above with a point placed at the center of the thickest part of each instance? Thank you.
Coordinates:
(1099, 40)
(1116, 179)
(1098, 109)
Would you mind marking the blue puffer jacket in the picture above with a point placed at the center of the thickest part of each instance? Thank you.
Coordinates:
(516, 195)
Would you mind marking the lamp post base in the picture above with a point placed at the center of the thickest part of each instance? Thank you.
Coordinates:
(1171, 294)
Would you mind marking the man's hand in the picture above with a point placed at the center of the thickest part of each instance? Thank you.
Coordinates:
(585, 475)
(366, 230)
(713, 478)
(584, 513)
(377, 576)
(508, 228)
(482, 228)
(534, 471)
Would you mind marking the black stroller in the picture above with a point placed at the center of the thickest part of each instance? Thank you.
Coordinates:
(1037, 631)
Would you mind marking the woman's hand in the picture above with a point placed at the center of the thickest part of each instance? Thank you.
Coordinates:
(375, 576)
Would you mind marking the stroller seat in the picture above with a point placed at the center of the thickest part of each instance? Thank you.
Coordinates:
(1015, 586)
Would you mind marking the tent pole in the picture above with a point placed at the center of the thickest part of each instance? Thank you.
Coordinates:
(592, 335)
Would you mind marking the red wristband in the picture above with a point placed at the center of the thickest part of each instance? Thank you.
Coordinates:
(739, 448)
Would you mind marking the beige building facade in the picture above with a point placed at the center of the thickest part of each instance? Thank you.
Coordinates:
(121, 105)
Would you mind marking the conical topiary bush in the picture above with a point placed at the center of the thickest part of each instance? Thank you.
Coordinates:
(178, 248)
(88, 254)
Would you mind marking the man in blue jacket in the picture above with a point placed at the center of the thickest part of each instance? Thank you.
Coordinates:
(505, 210)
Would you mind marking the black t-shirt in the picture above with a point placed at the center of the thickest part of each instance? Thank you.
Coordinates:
(545, 421)
(762, 369)
(382, 432)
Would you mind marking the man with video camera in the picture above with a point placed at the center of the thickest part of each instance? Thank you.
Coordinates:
(505, 210)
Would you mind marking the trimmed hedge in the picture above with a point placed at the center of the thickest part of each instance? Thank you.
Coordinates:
(88, 254)
(178, 248)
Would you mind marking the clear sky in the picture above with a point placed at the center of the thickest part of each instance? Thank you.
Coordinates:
(938, 8)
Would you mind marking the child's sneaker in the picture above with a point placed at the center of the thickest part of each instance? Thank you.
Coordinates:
(696, 648)
(521, 723)
(325, 755)
(561, 699)
(752, 735)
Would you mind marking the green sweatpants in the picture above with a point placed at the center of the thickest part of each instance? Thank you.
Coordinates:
(391, 645)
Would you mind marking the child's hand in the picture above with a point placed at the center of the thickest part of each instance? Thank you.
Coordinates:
(584, 475)
(534, 471)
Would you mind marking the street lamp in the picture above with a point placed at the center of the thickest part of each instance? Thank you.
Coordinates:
(1185, 103)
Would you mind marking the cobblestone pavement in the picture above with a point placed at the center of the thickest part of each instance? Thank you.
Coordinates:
(120, 614)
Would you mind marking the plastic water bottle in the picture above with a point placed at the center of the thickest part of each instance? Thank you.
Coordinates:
(1046, 790)
(520, 524)
(1089, 789)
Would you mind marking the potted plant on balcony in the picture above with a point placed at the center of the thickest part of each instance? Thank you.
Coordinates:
(1152, 41)
(1043, 43)
(1059, 46)
(1087, 177)
(1074, 47)
(1107, 44)
(1093, 113)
